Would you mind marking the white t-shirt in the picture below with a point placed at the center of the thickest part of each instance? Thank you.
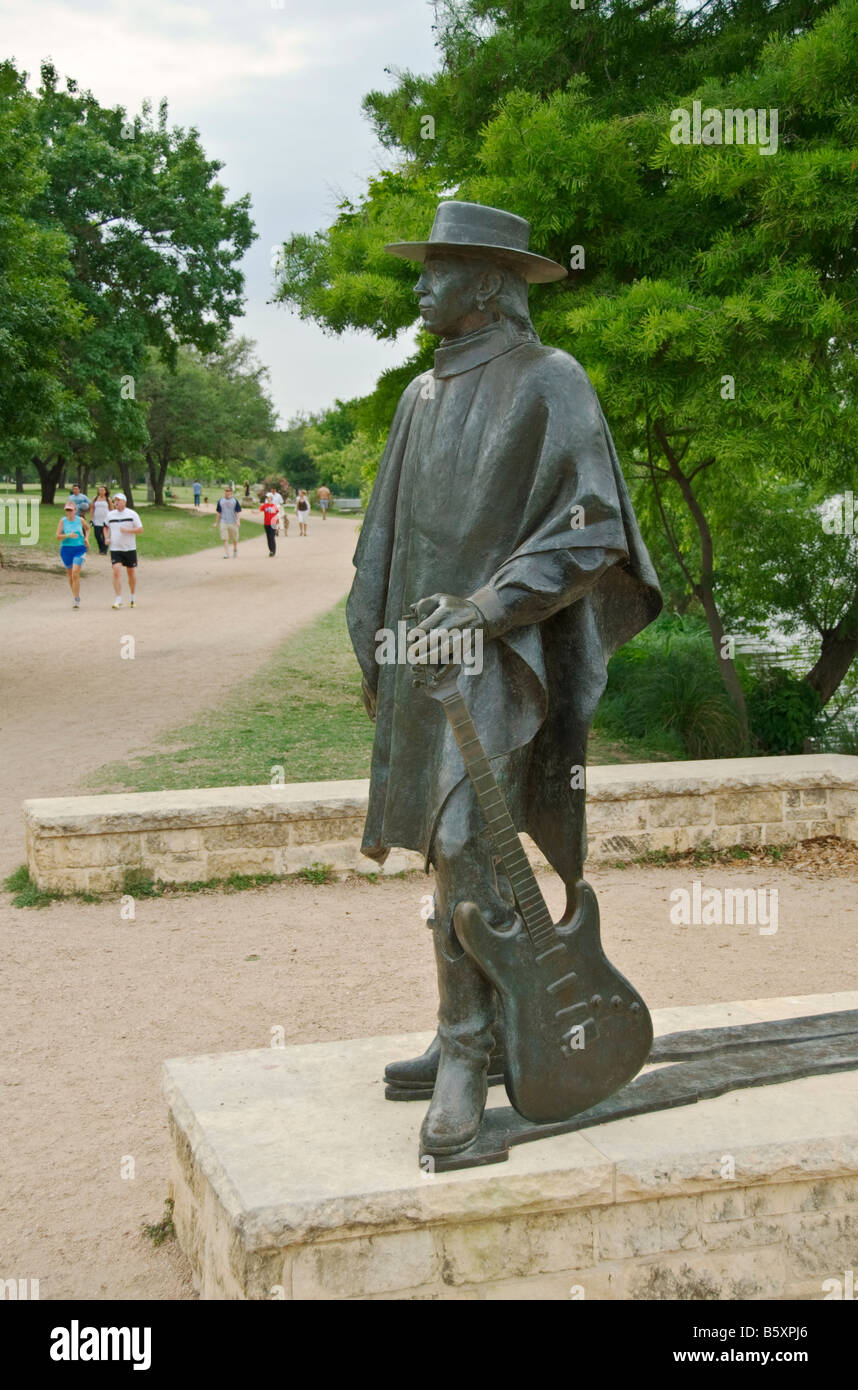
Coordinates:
(119, 540)
(279, 500)
(100, 511)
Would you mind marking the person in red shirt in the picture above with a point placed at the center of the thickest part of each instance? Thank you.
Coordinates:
(270, 517)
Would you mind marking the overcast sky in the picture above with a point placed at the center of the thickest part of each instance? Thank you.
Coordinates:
(274, 90)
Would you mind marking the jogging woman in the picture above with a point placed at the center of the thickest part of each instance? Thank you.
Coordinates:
(72, 534)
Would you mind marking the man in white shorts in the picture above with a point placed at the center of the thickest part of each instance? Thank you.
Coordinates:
(228, 519)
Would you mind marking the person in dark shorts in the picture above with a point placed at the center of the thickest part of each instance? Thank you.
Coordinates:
(270, 516)
(125, 526)
(99, 508)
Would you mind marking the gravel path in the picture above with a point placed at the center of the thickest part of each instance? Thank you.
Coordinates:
(68, 699)
(93, 1005)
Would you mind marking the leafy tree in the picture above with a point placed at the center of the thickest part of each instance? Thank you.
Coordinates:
(714, 290)
(153, 251)
(37, 311)
(345, 455)
(617, 57)
(796, 569)
(627, 55)
(295, 462)
(212, 406)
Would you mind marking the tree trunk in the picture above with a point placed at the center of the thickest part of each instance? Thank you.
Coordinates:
(50, 476)
(125, 475)
(157, 475)
(839, 649)
(704, 589)
(19, 479)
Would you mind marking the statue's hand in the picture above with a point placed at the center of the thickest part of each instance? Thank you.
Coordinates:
(368, 694)
(443, 611)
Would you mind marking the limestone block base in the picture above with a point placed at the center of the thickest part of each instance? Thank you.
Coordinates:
(91, 843)
(293, 1178)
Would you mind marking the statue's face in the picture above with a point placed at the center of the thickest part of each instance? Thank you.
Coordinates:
(447, 295)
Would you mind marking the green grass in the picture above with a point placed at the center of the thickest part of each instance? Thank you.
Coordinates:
(701, 855)
(602, 751)
(301, 713)
(164, 1229)
(167, 531)
(26, 894)
(138, 885)
(318, 873)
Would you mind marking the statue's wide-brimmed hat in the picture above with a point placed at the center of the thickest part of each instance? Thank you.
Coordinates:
(473, 229)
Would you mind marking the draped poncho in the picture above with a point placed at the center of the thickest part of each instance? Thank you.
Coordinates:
(499, 483)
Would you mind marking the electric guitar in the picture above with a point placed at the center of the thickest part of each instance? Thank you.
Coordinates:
(574, 1029)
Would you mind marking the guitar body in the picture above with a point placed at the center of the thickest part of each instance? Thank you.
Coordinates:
(574, 1029)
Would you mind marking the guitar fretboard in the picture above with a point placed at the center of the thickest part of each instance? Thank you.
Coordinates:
(528, 896)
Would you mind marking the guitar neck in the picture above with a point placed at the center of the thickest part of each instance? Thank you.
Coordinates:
(528, 895)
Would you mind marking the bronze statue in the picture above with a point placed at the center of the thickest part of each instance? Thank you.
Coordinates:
(500, 513)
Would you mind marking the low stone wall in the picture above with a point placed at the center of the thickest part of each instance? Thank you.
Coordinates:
(637, 807)
(89, 843)
(293, 1178)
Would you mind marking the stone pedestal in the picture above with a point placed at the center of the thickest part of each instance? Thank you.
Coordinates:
(294, 1178)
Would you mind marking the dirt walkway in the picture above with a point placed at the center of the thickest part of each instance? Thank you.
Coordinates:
(68, 699)
(92, 1005)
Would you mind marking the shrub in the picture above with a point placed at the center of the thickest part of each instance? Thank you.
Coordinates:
(665, 686)
(783, 711)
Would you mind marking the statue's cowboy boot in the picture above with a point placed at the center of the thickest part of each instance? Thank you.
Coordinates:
(414, 1078)
(465, 1017)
